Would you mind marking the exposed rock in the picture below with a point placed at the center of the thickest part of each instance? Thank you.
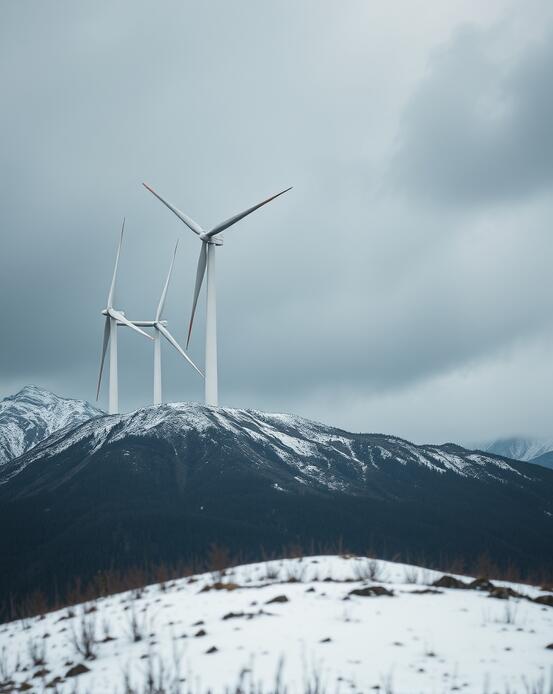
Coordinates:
(481, 584)
(544, 600)
(218, 585)
(76, 670)
(42, 672)
(234, 615)
(504, 593)
(450, 582)
(371, 591)
(425, 591)
(278, 598)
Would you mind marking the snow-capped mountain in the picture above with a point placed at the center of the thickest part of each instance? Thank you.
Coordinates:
(164, 482)
(312, 454)
(520, 447)
(314, 624)
(32, 415)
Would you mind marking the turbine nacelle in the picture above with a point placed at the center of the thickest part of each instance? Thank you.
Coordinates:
(212, 240)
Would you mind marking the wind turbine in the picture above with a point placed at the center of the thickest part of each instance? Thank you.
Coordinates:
(160, 330)
(209, 241)
(113, 318)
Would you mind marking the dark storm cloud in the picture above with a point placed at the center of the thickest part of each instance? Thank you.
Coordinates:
(478, 128)
(345, 290)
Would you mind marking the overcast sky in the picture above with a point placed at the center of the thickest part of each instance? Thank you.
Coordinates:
(404, 285)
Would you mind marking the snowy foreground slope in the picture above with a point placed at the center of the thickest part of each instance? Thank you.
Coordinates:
(296, 624)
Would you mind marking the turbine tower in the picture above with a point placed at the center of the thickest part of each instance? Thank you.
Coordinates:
(160, 330)
(209, 241)
(113, 318)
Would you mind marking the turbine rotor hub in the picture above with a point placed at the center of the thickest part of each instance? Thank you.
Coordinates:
(211, 240)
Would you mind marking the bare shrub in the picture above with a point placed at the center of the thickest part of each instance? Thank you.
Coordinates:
(106, 629)
(538, 686)
(295, 572)
(137, 627)
(157, 680)
(272, 571)
(314, 683)
(6, 670)
(426, 577)
(218, 559)
(36, 648)
(368, 570)
(387, 683)
(411, 575)
(83, 635)
(510, 611)
(137, 593)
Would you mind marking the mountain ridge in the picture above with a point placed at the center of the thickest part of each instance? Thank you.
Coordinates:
(292, 435)
(166, 482)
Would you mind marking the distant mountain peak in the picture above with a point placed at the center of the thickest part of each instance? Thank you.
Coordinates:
(524, 448)
(35, 413)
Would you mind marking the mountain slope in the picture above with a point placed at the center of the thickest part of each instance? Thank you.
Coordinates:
(316, 624)
(32, 415)
(165, 482)
(546, 460)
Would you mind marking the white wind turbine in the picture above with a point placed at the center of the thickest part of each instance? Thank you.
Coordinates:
(209, 240)
(113, 319)
(160, 330)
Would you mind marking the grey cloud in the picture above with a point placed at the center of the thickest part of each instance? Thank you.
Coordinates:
(477, 129)
(343, 291)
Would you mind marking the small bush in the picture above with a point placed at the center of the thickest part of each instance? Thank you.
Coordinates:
(36, 649)
(411, 575)
(6, 670)
(368, 570)
(83, 635)
(295, 572)
(137, 627)
(272, 571)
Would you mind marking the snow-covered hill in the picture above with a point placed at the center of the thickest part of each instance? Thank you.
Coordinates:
(32, 415)
(318, 624)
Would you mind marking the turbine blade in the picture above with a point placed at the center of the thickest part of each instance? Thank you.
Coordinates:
(190, 223)
(167, 335)
(237, 217)
(164, 292)
(200, 272)
(103, 357)
(121, 318)
(112, 287)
